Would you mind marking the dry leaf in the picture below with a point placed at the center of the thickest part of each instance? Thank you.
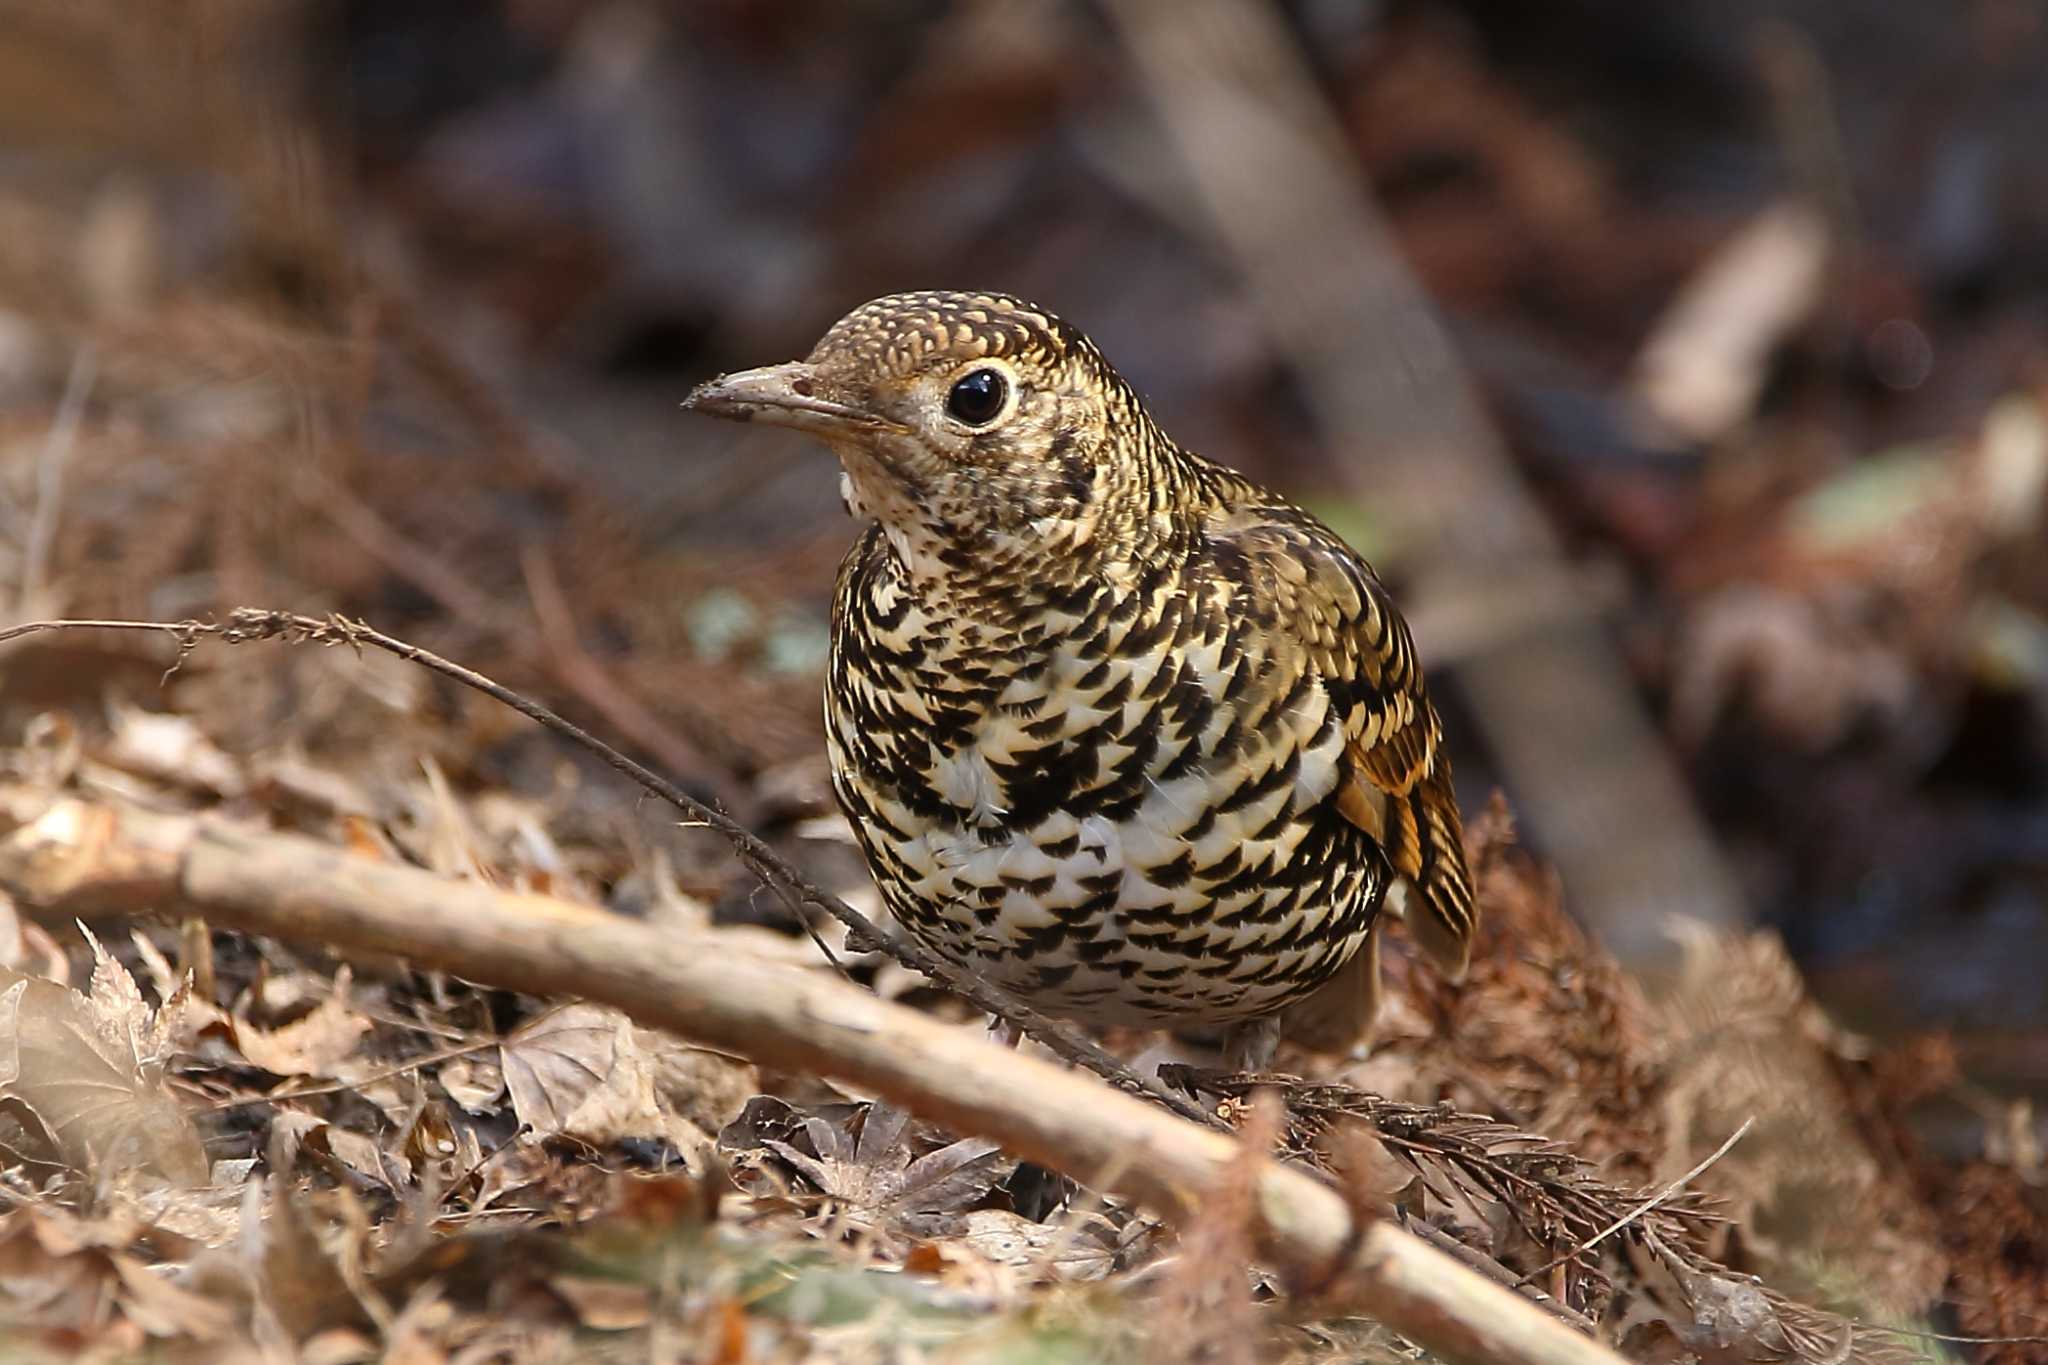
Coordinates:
(163, 1309)
(1059, 1250)
(61, 1271)
(475, 1083)
(709, 1089)
(87, 1070)
(42, 1288)
(316, 1045)
(605, 1305)
(357, 1151)
(555, 1061)
(578, 1071)
(123, 1019)
(289, 1130)
(861, 1156)
(300, 1286)
(1704, 365)
(170, 748)
(959, 1265)
(162, 975)
(338, 1346)
(50, 750)
(415, 1336)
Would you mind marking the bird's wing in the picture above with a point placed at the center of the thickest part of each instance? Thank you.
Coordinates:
(1397, 782)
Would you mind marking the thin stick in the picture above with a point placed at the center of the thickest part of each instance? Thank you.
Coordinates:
(1500, 1274)
(1639, 1210)
(798, 893)
(446, 1054)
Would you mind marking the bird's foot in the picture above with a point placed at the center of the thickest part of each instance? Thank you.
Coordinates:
(1179, 1055)
(1236, 1050)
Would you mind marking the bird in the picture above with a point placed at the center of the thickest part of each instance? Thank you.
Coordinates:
(1115, 727)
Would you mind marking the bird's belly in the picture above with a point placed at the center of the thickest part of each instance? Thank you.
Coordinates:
(1212, 897)
(1131, 821)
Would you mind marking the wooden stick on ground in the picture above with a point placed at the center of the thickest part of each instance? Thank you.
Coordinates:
(287, 886)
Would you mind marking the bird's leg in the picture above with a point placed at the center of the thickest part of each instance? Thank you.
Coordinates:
(1250, 1046)
(1231, 1051)
(1035, 1190)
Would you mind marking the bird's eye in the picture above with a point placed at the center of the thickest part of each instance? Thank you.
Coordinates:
(978, 396)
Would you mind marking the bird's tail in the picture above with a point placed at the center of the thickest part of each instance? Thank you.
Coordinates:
(1429, 846)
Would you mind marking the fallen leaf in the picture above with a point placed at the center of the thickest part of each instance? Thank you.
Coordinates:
(82, 1067)
(13, 943)
(862, 1156)
(162, 975)
(415, 1337)
(44, 1289)
(578, 1071)
(123, 1018)
(338, 1346)
(475, 1083)
(959, 1266)
(554, 1063)
(1059, 1250)
(315, 1045)
(163, 1309)
(299, 1283)
(61, 1271)
(169, 748)
(709, 1089)
(605, 1305)
(359, 1152)
(1705, 362)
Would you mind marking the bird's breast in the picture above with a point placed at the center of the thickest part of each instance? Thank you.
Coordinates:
(1123, 809)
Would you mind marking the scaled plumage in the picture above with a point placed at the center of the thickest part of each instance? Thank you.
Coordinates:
(1115, 727)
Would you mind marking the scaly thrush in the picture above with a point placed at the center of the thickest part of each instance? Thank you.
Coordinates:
(1115, 727)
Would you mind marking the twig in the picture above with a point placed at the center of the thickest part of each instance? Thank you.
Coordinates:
(1639, 1210)
(446, 1054)
(1500, 1274)
(292, 887)
(797, 893)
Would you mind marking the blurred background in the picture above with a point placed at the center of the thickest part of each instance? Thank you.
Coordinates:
(1680, 365)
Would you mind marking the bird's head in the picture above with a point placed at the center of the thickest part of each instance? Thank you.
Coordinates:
(978, 429)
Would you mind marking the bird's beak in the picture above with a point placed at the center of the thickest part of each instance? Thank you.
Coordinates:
(786, 395)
